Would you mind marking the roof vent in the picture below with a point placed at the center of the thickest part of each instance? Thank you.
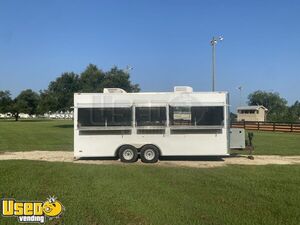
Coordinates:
(184, 89)
(113, 90)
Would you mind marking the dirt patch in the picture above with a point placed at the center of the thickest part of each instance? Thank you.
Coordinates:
(62, 156)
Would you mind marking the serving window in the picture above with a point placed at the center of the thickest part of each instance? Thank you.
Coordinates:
(105, 116)
(196, 115)
(150, 116)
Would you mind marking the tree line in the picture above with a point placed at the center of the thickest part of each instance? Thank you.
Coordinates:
(278, 109)
(59, 94)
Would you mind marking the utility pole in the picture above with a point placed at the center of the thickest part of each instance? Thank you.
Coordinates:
(213, 43)
(128, 68)
(240, 88)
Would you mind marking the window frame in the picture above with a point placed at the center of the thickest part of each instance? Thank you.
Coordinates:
(108, 117)
(163, 124)
(192, 125)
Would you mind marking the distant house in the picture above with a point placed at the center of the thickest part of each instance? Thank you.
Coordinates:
(252, 113)
(5, 115)
(59, 115)
(24, 116)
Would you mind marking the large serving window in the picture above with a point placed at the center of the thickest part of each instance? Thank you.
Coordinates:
(180, 115)
(196, 115)
(150, 116)
(105, 116)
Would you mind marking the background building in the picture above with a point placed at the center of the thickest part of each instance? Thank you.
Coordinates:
(252, 113)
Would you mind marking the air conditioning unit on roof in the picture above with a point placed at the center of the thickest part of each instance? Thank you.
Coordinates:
(184, 89)
(113, 90)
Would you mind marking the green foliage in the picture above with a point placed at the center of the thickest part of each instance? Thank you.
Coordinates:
(92, 79)
(59, 95)
(277, 106)
(5, 101)
(116, 78)
(294, 111)
(27, 102)
(131, 194)
(48, 102)
(233, 117)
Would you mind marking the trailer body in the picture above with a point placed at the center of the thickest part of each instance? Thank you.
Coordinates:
(179, 123)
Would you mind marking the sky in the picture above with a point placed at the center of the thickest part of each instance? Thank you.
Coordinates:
(166, 42)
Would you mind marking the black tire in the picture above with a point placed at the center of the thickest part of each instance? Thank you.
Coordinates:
(128, 154)
(149, 154)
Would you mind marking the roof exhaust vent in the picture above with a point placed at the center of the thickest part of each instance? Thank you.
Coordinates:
(113, 90)
(183, 89)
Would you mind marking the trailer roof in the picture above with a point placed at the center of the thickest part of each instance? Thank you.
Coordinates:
(252, 107)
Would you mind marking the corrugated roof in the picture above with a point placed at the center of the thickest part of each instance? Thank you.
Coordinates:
(251, 107)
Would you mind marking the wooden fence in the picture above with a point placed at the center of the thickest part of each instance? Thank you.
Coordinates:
(267, 126)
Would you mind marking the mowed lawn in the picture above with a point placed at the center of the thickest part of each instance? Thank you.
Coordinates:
(51, 135)
(30, 135)
(275, 143)
(131, 194)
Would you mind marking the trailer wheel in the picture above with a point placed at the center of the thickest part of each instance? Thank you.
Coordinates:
(128, 154)
(149, 154)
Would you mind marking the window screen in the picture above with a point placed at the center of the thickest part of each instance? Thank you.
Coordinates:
(197, 115)
(150, 116)
(213, 115)
(105, 116)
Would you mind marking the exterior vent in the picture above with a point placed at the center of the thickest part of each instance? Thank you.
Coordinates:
(113, 90)
(184, 89)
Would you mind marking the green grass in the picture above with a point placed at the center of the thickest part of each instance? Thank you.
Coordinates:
(131, 194)
(58, 135)
(275, 143)
(36, 135)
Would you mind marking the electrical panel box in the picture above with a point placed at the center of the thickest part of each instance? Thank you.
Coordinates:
(237, 138)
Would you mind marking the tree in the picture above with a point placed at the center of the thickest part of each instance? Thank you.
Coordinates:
(294, 112)
(116, 78)
(233, 117)
(59, 95)
(91, 79)
(26, 102)
(5, 101)
(47, 102)
(277, 106)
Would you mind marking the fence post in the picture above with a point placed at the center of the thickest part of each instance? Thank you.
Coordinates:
(258, 125)
(273, 126)
(244, 124)
(291, 127)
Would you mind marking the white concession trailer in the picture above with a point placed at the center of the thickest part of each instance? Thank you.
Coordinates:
(151, 124)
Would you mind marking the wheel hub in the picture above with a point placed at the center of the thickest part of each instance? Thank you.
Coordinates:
(149, 154)
(128, 154)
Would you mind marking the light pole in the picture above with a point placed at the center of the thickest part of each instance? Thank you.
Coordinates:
(213, 43)
(128, 68)
(240, 88)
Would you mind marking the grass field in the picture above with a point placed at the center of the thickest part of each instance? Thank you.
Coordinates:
(147, 194)
(36, 135)
(58, 135)
(275, 143)
(130, 194)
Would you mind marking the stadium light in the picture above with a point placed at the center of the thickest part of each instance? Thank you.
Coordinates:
(213, 43)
